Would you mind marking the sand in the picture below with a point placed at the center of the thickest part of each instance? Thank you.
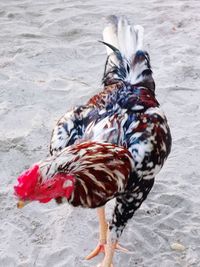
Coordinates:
(50, 60)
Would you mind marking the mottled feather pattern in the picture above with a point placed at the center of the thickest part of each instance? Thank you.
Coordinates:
(69, 128)
(101, 171)
(137, 123)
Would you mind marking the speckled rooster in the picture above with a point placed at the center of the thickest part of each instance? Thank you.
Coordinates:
(127, 114)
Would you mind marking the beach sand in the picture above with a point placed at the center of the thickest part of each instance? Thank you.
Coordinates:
(51, 60)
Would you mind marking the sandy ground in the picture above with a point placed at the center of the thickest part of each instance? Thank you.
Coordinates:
(50, 60)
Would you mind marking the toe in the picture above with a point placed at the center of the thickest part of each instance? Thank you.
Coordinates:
(95, 252)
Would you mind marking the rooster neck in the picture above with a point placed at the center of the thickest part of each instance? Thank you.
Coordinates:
(60, 185)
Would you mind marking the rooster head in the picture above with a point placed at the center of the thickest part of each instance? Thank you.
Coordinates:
(32, 186)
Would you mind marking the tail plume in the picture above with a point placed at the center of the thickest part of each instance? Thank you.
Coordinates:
(110, 34)
(126, 59)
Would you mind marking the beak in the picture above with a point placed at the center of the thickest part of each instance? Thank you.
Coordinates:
(21, 204)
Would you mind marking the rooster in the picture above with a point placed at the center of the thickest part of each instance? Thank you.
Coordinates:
(127, 113)
(87, 175)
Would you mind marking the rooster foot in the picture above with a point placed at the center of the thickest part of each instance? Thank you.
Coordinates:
(100, 248)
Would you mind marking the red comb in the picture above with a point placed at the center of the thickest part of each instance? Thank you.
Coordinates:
(26, 182)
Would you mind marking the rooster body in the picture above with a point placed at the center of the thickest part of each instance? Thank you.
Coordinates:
(125, 113)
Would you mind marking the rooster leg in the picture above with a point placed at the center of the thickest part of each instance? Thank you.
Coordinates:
(103, 226)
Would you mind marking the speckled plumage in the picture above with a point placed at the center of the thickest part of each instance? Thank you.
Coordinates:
(105, 168)
(125, 113)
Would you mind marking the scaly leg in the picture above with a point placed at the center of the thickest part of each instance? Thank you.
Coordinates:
(103, 226)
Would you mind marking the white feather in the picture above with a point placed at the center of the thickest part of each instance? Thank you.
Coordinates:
(121, 35)
(126, 38)
(110, 37)
(139, 30)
